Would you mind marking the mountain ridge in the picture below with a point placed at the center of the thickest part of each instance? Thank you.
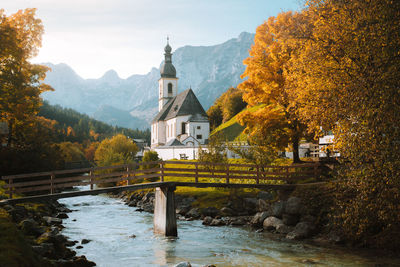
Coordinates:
(208, 70)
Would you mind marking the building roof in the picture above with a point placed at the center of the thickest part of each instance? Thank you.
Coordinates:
(186, 103)
(167, 69)
(174, 142)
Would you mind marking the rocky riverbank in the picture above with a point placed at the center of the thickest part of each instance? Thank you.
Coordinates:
(37, 226)
(290, 218)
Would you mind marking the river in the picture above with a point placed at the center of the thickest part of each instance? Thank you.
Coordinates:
(110, 224)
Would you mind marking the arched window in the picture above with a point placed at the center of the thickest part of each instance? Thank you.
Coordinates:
(170, 89)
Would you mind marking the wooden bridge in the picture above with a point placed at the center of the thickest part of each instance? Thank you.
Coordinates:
(165, 176)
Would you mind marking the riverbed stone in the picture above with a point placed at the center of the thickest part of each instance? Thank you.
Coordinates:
(283, 229)
(290, 219)
(237, 221)
(217, 222)
(259, 218)
(183, 264)
(271, 223)
(277, 209)
(294, 206)
(182, 209)
(207, 220)
(194, 213)
(226, 211)
(85, 241)
(262, 205)
(210, 211)
(52, 220)
(62, 215)
(301, 231)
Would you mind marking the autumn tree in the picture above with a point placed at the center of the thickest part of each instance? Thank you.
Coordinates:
(347, 79)
(20, 81)
(117, 150)
(267, 83)
(225, 107)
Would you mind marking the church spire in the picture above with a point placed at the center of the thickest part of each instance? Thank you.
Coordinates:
(167, 69)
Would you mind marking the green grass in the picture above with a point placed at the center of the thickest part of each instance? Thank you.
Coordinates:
(232, 130)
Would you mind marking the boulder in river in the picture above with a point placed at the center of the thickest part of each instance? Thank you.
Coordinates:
(183, 264)
(194, 213)
(207, 220)
(302, 230)
(210, 211)
(259, 218)
(293, 206)
(277, 209)
(271, 223)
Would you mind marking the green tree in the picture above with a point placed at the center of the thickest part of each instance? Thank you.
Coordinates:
(117, 150)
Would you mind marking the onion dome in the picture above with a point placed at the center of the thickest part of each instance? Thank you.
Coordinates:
(167, 69)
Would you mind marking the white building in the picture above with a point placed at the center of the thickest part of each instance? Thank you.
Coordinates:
(181, 125)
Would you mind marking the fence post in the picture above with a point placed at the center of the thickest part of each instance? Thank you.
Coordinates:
(10, 182)
(162, 171)
(227, 173)
(91, 178)
(127, 175)
(258, 175)
(196, 178)
(52, 183)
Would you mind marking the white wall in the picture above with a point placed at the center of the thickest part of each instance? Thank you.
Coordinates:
(163, 96)
(173, 152)
(204, 130)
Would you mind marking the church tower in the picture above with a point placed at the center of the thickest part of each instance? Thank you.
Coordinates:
(168, 83)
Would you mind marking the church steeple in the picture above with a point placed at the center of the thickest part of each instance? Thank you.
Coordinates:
(168, 83)
(167, 69)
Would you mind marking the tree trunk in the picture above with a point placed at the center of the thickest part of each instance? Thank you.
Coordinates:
(295, 145)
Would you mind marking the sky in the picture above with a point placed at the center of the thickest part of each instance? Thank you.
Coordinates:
(128, 36)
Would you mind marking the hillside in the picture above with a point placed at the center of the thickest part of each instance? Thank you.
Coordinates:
(232, 130)
(76, 127)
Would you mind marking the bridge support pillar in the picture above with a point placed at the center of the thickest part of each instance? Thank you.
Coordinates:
(164, 211)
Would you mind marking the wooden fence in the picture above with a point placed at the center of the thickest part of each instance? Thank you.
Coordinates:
(197, 172)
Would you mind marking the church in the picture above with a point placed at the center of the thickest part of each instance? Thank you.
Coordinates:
(181, 126)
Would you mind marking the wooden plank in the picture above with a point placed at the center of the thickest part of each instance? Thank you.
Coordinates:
(22, 184)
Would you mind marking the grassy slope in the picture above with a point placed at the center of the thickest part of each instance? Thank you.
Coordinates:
(232, 130)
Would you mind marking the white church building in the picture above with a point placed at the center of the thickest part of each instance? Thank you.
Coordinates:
(181, 126)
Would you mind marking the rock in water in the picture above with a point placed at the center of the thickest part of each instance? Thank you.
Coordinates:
(271, 223)
(294, 206)
(183, 264)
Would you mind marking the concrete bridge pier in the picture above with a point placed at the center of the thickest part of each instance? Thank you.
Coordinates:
(164, 211)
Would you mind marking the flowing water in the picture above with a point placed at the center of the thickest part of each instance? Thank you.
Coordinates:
(110, 224)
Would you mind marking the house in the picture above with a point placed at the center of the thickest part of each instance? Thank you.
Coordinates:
(181, 126)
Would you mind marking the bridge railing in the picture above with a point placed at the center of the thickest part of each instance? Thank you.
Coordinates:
(51, 182)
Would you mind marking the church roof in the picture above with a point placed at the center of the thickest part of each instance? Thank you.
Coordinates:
(168, 70)
(174, 142)
(186, 103)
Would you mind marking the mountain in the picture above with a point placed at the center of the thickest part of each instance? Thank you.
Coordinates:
(208, 70)
(118, 117)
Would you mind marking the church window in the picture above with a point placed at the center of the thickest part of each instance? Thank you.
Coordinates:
(183, 128)
(170, 89)
(198, 127)
(199, 136)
